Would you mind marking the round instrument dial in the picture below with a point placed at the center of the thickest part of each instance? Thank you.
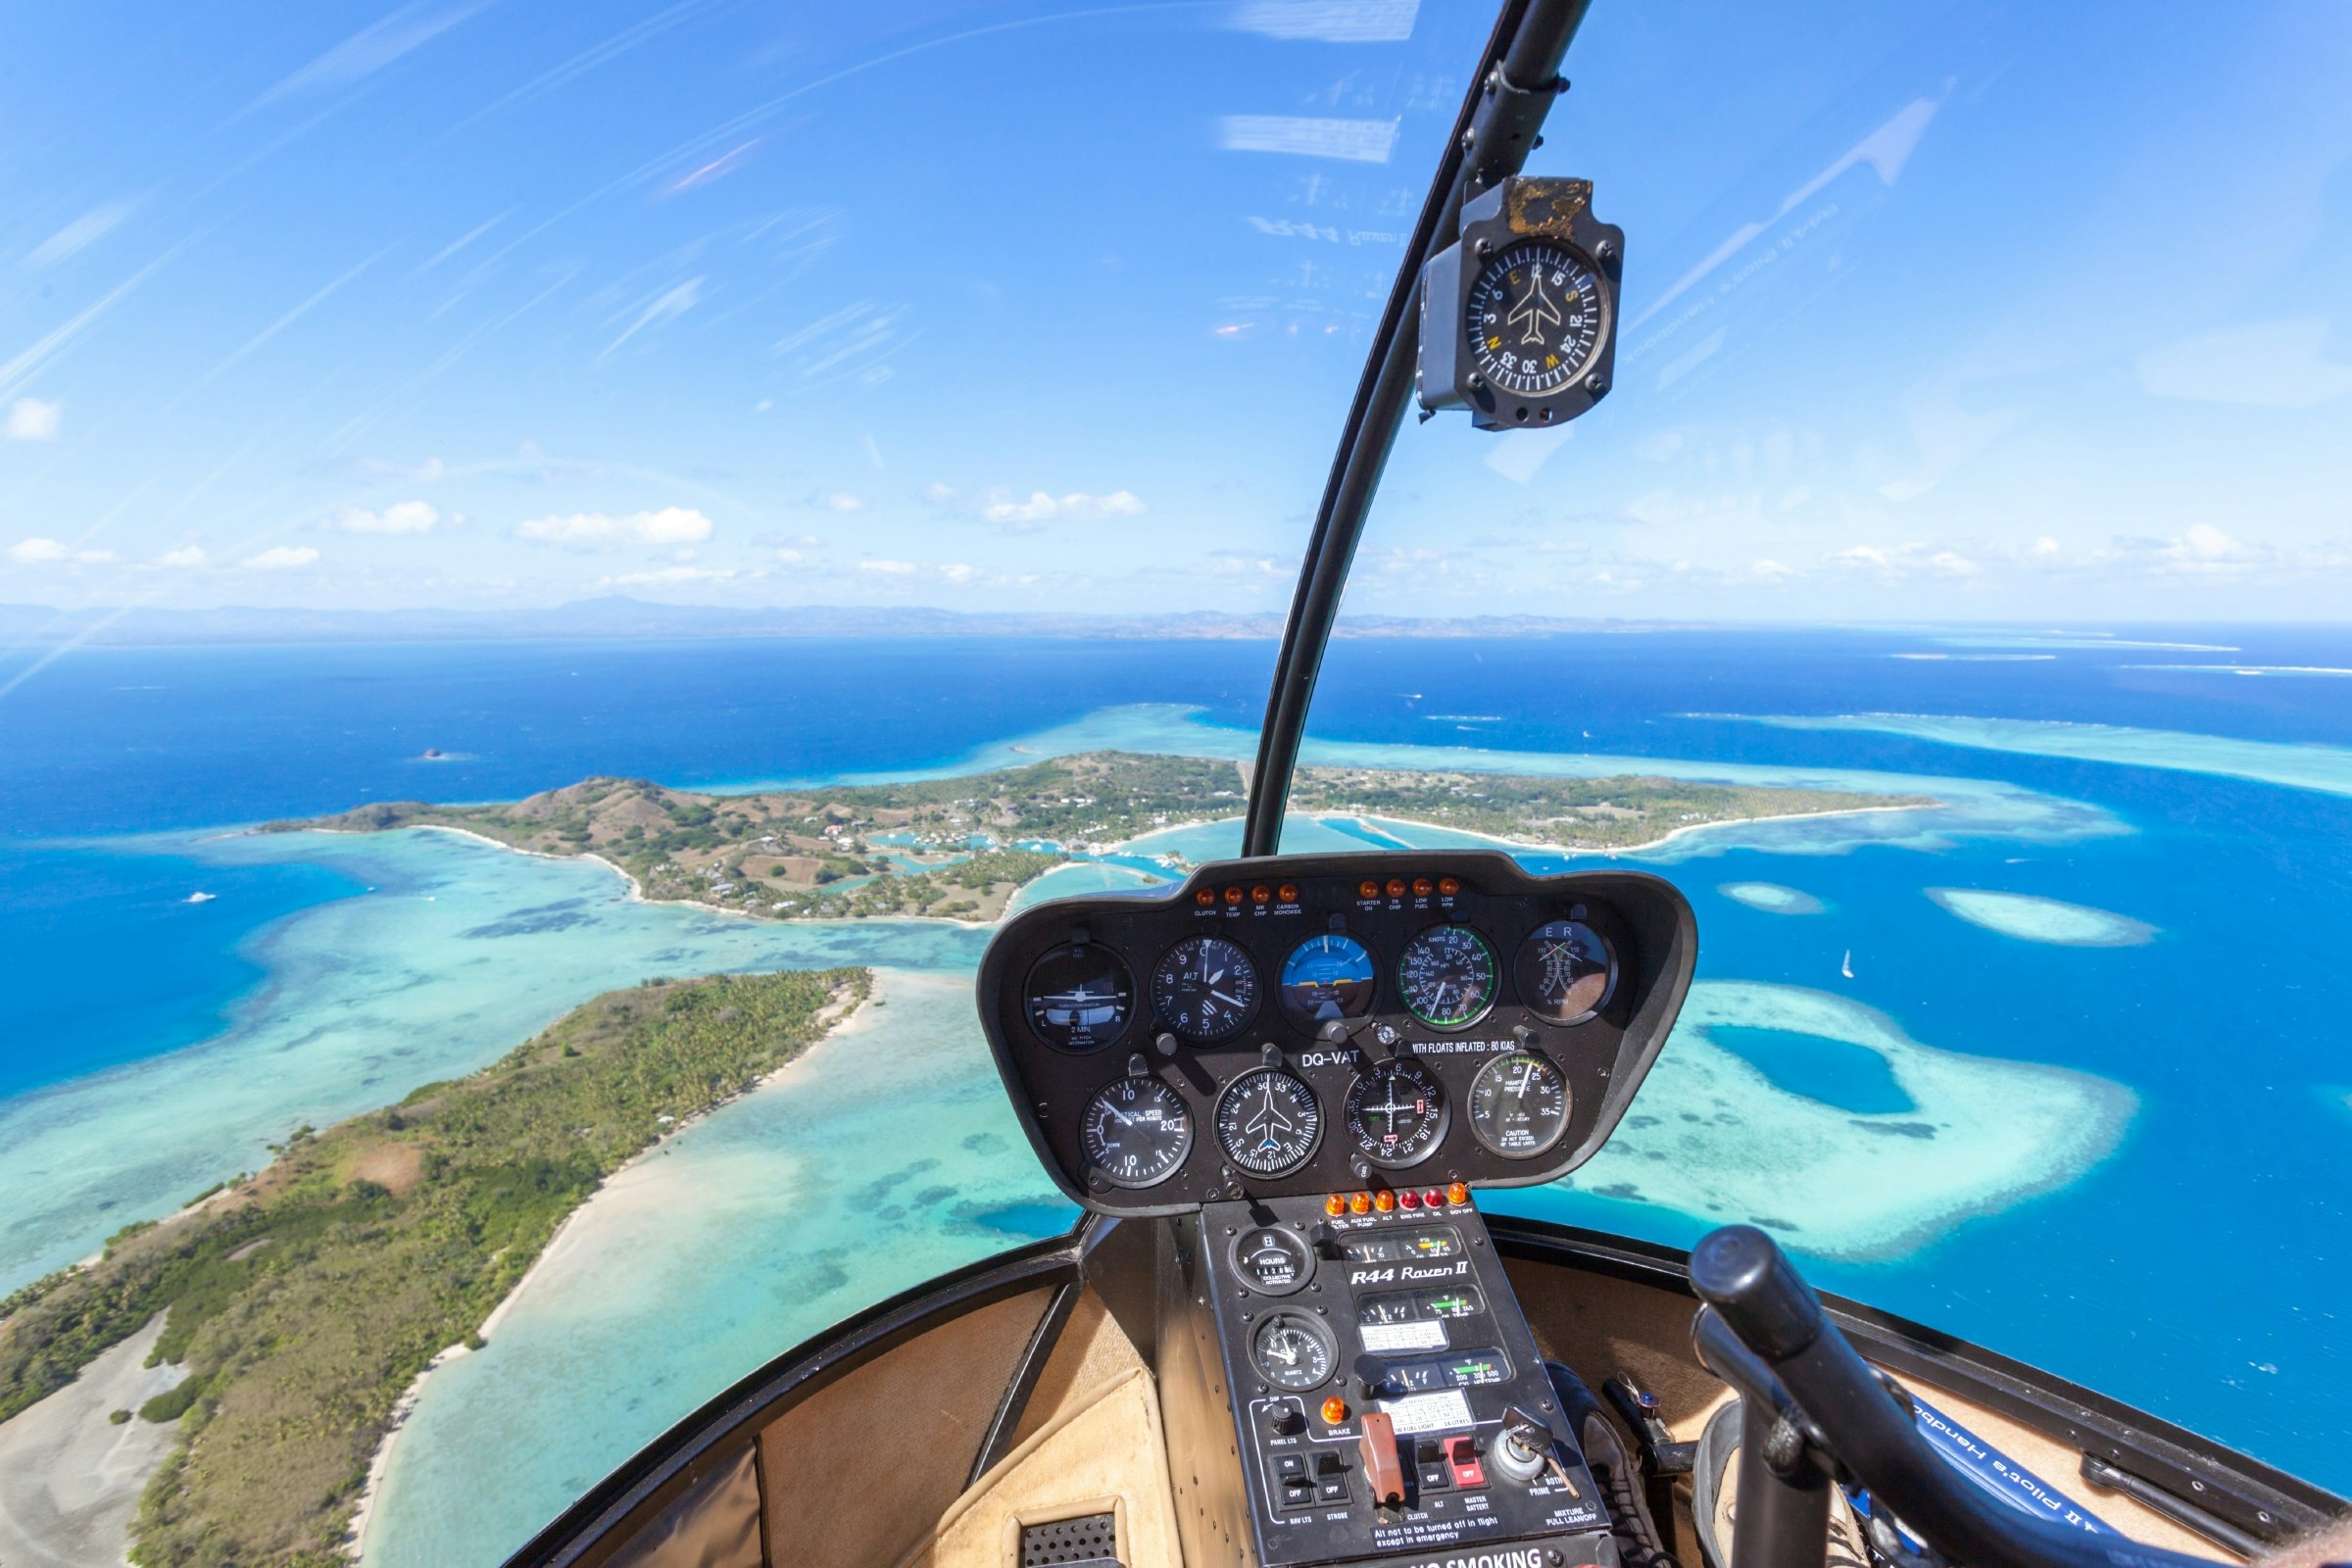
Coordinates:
(1566, 972)
(1535, 317)
(1447, 976)
(1273, 1260)
(1268, 1121)
(1136, 1131)
(1293, 1352)
(1518, 1104)
(1204, 990)
(1078, 996)
(1326, 978)
(1396, 1113)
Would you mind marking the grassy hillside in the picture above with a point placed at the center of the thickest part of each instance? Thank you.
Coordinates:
(304, 1301)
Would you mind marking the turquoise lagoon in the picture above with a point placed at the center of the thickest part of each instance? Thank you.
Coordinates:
(1964, 1100)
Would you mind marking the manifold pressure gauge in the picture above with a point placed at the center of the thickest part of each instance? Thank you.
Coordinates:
(1519, 316)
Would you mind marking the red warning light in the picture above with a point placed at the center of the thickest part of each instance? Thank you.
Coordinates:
(1395, 887)
(1261, 894)
(1423, 886)
(1287, 893)
(1449, 885)
(1233, 896)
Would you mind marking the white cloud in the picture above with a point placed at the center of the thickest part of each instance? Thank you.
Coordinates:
(787, 557)
(1901, 561)
(32, 419)
(402, 516)
(938, 495)
(281, 558)
(841, 501)
(672, 525)
(2271, 365)
(1773, 572)
(890, 568)
(40, 552)
(1078, 507)
(1356, 142)
(959, 571)
(188, 556)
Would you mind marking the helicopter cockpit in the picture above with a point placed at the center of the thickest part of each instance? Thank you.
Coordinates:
(1286, 1333)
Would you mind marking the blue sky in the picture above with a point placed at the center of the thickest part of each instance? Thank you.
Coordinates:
(1973, 310)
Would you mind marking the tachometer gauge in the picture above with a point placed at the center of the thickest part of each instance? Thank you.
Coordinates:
(1204, 990)
(1565, 971)
(1293, 1352)
(1137, 1131)
(1447, 976)
(1535, 317)
(1078, 996)
(1396, 1113)
(1324, 978)
(1518, 1106)
(1268, 1123)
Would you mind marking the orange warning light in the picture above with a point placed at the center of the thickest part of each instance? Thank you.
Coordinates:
(1334, 1410)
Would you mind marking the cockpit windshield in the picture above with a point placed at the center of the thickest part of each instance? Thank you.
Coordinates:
(820, 480)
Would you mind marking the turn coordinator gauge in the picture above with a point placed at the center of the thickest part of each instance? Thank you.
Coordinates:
(1519, 316)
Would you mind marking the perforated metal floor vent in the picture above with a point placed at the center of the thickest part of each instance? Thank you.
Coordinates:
(1068, 1543)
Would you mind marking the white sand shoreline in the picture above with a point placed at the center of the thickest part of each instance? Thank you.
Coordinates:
(596, 1209)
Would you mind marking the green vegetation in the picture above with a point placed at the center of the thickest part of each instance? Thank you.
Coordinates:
(961, 847)
(305, 1301)
(1618, 813)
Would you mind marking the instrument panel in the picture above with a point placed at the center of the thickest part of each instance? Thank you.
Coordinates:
(1311, 1023)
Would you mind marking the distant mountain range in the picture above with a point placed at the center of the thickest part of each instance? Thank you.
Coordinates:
(618, 616)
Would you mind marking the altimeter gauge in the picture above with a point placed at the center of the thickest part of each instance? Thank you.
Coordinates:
(1204, 989)
(1136, 1131)
(1268, 1123)
(1519, 316)
(1396, 1113)
(1518, 1104)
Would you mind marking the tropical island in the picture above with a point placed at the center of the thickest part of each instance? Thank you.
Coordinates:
(960, 848)
(301, 1304)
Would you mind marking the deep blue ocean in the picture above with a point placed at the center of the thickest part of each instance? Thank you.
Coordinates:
(2203, 1270)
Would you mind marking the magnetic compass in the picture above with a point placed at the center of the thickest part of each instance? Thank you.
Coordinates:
(1519, 316)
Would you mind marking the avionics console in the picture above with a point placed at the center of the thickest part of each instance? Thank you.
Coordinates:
(1303, 1065)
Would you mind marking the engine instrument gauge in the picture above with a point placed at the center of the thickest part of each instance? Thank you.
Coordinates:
(1326, 978)
(1268, 1123)
(1566, 972)
(1204, 989)
(1293, 1352)
(1518, 1104)
(1078, 996)
(1396, 1113)
(1136, 1131)
(1447, 976)
(1535, 317)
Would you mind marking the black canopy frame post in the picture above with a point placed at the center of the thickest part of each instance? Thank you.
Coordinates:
(1513, 89)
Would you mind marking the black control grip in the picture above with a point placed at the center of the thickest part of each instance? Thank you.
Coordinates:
(1758, 1295)
(1740, 1272)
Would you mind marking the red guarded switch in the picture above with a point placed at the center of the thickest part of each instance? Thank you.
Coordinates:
(1462, 1454)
